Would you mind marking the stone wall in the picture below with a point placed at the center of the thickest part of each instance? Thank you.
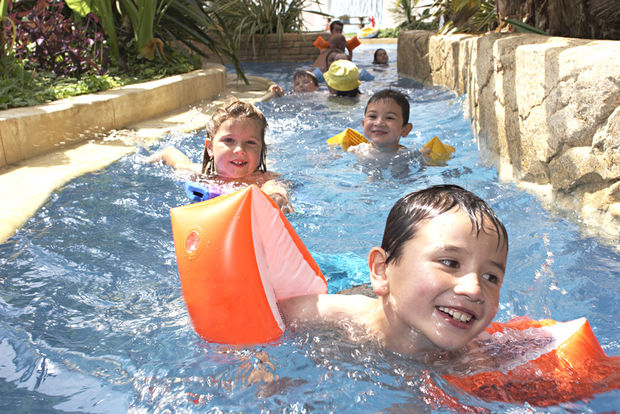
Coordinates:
(546, 108)
(31, 131)
(293, 47)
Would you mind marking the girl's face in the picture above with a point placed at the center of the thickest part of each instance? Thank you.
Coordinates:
(236, 148)
(381, 57)
(304, 84)
(446, 285)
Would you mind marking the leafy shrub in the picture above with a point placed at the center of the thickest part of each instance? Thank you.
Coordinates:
(49, 40)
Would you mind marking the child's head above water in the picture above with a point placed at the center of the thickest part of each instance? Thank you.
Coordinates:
(342, 78)
(437, 276)
(380, 57)
(440, 268)
(386, 119)
(235, 145)
(305, 81)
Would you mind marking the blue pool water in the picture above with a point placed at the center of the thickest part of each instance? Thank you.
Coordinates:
(93, 320)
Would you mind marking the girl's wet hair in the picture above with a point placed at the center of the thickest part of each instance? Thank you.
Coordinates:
(235, 110)
(400, 98)
(411, 211)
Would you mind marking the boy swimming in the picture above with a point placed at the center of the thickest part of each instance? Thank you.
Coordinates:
(437, 276)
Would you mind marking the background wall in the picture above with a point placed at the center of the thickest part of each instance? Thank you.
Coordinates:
(548, 108)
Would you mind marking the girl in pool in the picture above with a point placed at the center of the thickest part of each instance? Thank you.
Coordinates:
(380, 57)
(437, 276)
(234, 153)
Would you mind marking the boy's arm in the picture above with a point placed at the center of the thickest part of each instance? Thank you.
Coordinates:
(323, 308)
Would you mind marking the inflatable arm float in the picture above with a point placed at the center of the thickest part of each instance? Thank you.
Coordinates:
(321, 43)
(347, 138)
(237, 256)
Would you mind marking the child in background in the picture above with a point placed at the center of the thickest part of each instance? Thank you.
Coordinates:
(305, 81)
(437, 276)
(342, 78)
(380, 57)
(235, 152)
(386, 120)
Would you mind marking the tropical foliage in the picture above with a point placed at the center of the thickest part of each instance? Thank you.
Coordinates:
(591, 19)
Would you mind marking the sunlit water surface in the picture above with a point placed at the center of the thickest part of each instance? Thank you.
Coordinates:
(93, 319)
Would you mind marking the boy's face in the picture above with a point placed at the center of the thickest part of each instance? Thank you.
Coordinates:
(304, 83)
(447, 282)
(236, 148)
(383, 124)
(337, 29)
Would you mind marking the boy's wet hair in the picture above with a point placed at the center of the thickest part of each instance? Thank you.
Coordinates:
(374, 59)
(334, 23)
(400, 98)
(235, 110)
(304, 74)
(410, 212)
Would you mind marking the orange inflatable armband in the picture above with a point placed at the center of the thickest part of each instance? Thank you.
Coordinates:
(238, 256)
(575, 368)
(321, 43)
(347, 138)
(352, 43)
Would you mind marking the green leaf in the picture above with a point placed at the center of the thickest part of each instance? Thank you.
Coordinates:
(524, 27)
(81, 7)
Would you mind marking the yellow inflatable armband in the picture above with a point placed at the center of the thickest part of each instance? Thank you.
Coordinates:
(437, 151)
(347, 138)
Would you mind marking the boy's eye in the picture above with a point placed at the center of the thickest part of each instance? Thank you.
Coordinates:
(450, 263)
(228, 140)
(491, 278)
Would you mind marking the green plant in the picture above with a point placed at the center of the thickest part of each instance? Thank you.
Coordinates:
(253, 17)
(46, 39)
(194, 23)
(103, 10)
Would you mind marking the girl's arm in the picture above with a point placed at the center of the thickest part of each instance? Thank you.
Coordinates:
(175, 159)
(279, 194)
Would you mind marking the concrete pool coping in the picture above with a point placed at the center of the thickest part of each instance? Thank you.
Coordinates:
(25, 186)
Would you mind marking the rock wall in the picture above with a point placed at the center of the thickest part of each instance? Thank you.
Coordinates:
(547, 109)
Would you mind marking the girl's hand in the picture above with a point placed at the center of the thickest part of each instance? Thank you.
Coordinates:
(278, 194)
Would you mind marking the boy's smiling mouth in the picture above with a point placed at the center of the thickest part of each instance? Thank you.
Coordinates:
(456, 315)
(239, 163)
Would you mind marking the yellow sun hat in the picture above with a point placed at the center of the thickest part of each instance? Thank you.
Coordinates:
(342, 76)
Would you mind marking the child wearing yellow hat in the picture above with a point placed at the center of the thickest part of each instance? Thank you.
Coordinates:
(342, 78)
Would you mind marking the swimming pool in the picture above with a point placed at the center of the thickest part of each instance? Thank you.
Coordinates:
(93, 320)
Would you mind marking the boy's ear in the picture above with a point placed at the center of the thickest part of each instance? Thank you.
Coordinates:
(209, 146)
(406, 129)
(377, 266)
